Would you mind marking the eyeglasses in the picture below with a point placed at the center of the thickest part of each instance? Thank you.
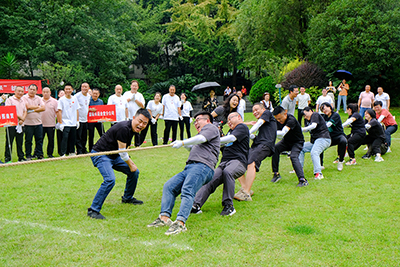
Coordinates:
(198, 119)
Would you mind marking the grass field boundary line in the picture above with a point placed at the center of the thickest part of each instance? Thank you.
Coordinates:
(63, 230)
(81, 156)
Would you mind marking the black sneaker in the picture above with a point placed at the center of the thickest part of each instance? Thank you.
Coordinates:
(95, 215)
(366, 156)
(133, 201)
(22, 160)
(276, 177)
(40, 157)
(50, 156)
(28, 158)
(302, 183)
(196, 209)
(228, 210)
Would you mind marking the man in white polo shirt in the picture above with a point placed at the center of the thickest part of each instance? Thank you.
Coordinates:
(12, 131)
(81, 133)
(49, 119)
(33, 123)
(172, 113)
(383, 97)
(135, 101)
(121, 105)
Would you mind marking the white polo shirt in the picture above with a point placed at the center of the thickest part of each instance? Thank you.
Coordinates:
(171, 105)
(120, 106)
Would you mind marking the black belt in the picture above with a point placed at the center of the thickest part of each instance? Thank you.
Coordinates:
(191, 162)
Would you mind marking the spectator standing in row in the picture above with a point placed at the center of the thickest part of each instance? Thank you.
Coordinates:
(95, 101)
(302, 100)
(33, 123)
(135, 101)
(289, 102)
(366, 100)
(49, 119)
(83, 99)
(343, 89)
(155, 108)
(186, 111)
(211, 102)
(384, 98)
(244, 90)
(68, 119)
(121, 105)
(242, 104)
(324, 98)
(16, 131)
(331, 93)
(172, 113)
(267, 102)
(227, 92)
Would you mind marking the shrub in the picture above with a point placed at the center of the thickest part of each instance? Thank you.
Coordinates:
(266, 84)
(307, 75)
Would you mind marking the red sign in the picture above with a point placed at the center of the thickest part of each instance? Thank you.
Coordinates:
(8, 86)
(8, 116)
(103, 113)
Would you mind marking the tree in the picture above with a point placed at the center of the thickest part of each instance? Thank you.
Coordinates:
(9, 67)
(360, 36)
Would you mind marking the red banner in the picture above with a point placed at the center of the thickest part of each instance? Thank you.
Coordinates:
(8, 116)
(8, 86)
(103, 113)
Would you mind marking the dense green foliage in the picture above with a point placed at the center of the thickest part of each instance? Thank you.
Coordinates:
(266, 84)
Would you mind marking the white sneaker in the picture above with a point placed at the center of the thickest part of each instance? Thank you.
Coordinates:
(71, 154)
(292, 171)
(388, 150)
(340, 165)
(379, 159)
(322, 168)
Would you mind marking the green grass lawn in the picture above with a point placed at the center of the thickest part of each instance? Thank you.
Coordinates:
(350, 218)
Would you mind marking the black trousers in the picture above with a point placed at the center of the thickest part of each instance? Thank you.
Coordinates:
(374, 144)
(30, 132)
(182, 124)
(91, 127)
(81, 138)
(354, 141)
(68, 140)
(295, 150)
(168, 125)
(11, 133)
(50, 139)
(341, 143)
(300, 114)
(153, 131)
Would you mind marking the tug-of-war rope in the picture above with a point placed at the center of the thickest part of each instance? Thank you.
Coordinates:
(80, 156)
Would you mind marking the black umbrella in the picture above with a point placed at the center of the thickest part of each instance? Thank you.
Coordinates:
(343, 74)
(205, 85)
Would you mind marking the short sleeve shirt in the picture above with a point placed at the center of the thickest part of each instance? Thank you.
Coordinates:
(220, 111)
(33, 118)
(84, 106)
(357, 126)
(186, 108)
(122, 131)
(321, 131)
(388, 120)
(120, 106)
(18, 103)
(383, 98)
(366, 99)
(267, 132)
(302, 100)
(207, 152)
(49, 115)
(68, 109)
(154, 108)
(336, 128)
(289, 104)
(132, 105)
(295, 134)
(240, 148)
(171, 105)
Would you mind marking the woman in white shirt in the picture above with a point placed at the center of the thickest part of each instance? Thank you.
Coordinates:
(266, 102)
(155, 108)
(186, 111)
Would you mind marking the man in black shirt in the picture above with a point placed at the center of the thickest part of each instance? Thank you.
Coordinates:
(320, 140)
(292, 140)
(233, 165)
(263, 146)
(118, 137)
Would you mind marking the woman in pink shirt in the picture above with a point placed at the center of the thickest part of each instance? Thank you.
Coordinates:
(385, 117)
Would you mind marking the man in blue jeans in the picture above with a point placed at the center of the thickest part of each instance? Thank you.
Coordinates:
(118, 137)
(320, 140)
(199, 170)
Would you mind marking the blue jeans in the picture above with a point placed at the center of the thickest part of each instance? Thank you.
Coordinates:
(362, 111)
(315, 150)
(186, 183)
(105, 164)
(389, 131)
(339, 100)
